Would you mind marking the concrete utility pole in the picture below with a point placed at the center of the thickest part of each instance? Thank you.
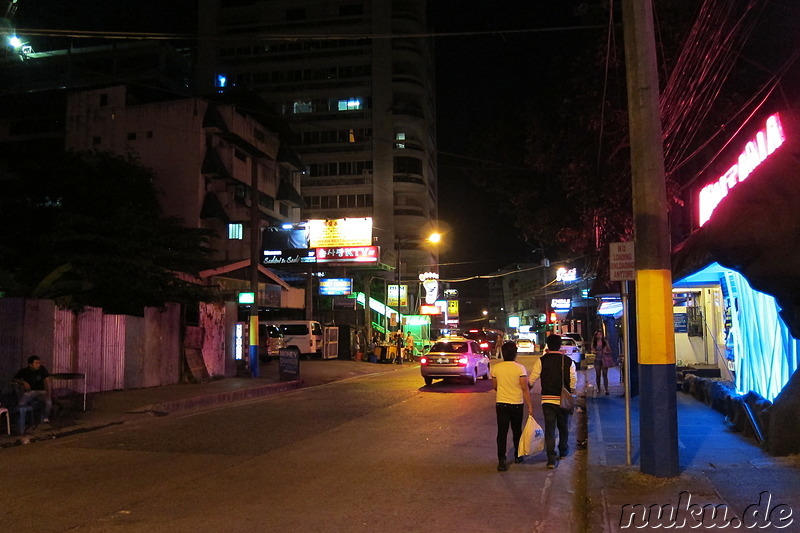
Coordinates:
(658, 424)
(255, 261)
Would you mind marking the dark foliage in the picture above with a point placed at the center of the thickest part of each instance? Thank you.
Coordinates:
(87, 230)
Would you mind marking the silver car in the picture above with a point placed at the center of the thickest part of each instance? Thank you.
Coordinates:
(452, 357)
(570, 348)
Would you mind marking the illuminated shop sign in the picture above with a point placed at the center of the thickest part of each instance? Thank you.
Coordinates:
(452, 308)
(340, 232)
(320, 241)
(566, 274)
(561, 303)
(335, 286)
(397, 295)
(288, 257)
(347, 254)
(429, 310)
(431, 286)
(755, 152)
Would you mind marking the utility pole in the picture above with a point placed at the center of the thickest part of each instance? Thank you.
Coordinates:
(255, 262)
(654, 327)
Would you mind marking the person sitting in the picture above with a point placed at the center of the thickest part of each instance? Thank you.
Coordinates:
(35, 380)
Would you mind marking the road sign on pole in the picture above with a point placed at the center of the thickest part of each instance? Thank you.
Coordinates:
(621, 261)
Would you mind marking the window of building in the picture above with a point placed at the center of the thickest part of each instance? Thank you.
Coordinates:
(95, 141)
(407, 165)
(342, 201)
(400, 136)
(132, 136)
(235, 231)
(221, 81)
(351, 104)
(103, 100)
(241, 156)
(302, 107)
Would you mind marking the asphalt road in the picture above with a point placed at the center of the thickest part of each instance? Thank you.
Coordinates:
(378, 453)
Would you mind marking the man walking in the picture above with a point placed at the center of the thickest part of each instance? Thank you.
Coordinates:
(509, 380)
(556, 370)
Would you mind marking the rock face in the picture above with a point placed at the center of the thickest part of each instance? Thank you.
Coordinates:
(783, 437)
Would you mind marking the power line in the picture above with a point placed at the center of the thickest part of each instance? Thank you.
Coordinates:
(86, 34)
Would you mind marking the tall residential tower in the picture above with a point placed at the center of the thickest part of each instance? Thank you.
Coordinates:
(355, 81)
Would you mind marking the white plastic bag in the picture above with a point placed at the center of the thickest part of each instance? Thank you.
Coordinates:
(532, 440)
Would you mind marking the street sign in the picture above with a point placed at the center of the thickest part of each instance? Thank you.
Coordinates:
(621, 261)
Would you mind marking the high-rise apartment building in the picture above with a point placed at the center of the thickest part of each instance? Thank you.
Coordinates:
(354, 79)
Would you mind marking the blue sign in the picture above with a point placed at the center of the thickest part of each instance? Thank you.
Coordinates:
(680, 322)
(335, 286)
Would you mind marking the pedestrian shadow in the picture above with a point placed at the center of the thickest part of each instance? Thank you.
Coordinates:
(457, 385)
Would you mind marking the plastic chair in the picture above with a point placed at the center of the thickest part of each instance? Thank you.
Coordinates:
(8, 419)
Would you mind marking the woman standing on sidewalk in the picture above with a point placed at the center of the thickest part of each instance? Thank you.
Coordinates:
(602, 359)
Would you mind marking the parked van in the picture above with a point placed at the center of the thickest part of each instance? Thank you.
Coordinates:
(270, 341)
(303, 335)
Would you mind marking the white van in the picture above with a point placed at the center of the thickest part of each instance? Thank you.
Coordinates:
(270, 342)
(303, 335)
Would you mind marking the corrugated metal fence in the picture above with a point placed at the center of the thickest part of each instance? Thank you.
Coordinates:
(113, 351)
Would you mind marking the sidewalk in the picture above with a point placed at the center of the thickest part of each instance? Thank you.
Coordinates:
(115, 407)
(717, 467)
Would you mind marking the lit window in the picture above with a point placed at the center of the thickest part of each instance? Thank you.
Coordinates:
(222, 80)
(350, 104)
(400, 137)
(302, 107)
(235, 231)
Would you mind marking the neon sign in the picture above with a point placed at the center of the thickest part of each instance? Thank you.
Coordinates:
(755, 152)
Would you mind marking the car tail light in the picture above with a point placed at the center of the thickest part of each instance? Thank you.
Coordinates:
(462, 361)
(484, 345)
(423, 360)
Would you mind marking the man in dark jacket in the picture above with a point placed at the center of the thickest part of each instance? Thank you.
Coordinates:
(556, 371)
(35, 380)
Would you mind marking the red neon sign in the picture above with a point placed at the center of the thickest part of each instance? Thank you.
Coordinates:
(755, 152)
(347, 254)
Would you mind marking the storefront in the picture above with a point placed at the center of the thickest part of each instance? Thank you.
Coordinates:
(737, 277)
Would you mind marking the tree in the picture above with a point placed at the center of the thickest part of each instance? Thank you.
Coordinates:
(86, 229)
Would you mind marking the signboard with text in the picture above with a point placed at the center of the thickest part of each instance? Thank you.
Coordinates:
(341, 240)
(754, 152)
(621, 261)
(398, 298)
(336, 286)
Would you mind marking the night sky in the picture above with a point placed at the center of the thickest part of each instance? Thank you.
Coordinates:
(478, 75)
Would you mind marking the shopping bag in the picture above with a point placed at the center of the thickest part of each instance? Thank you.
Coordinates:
(532, 440)
(567, 401)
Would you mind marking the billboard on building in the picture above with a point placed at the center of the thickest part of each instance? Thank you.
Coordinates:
(341, 240)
